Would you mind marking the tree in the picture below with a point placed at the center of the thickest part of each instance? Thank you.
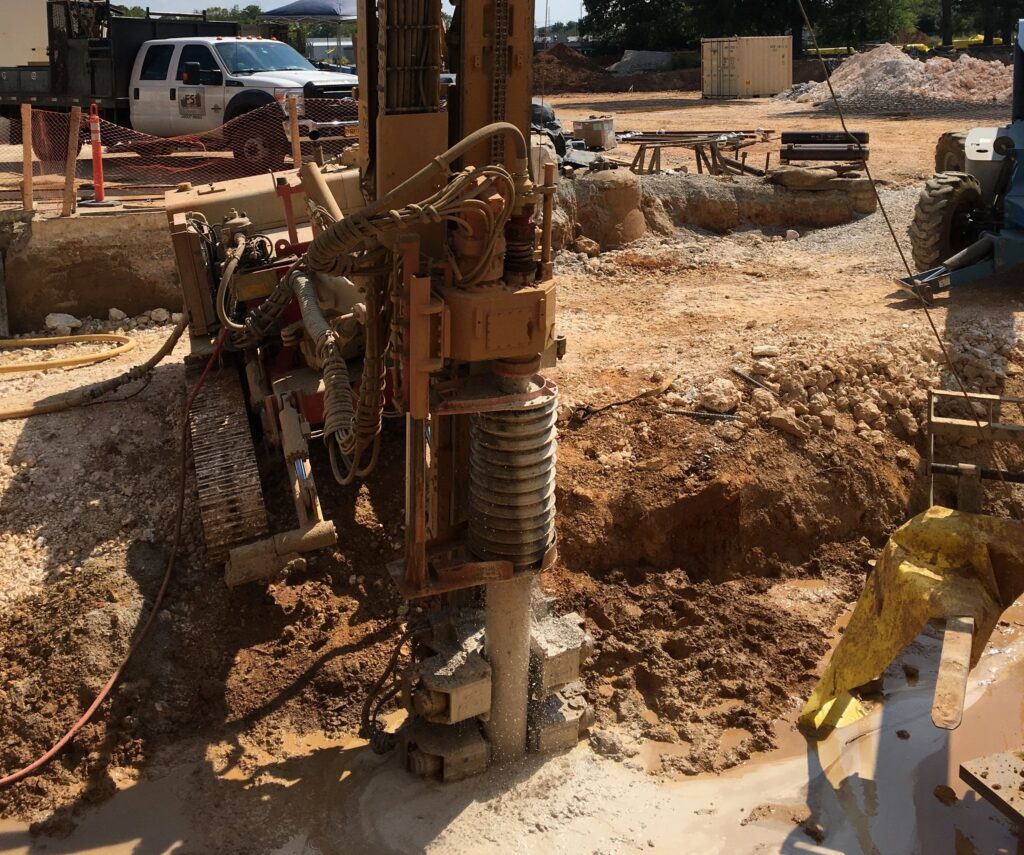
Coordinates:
(664, 24)
(244, 15)
(639, 24)
(947, 22)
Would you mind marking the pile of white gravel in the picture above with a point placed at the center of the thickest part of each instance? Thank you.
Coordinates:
(887, 76)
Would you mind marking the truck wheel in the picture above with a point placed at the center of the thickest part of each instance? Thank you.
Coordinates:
(256, 142)
(942, 220)
(951, 152)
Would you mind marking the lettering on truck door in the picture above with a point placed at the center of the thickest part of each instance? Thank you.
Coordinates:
(199, 107)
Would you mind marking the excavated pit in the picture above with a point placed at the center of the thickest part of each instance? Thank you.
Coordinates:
(712, 584)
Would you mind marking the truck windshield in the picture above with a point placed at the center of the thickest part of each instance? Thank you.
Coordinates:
(251, 57)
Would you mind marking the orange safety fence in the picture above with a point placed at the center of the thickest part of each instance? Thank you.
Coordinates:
(251, 144)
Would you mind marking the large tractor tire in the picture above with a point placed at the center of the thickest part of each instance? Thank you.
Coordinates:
(942, 220)
(951, 152)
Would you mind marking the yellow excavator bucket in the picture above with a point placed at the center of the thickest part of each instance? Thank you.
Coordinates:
(965, 569)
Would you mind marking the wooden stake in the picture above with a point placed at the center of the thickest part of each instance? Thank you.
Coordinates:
(26, 157)
(70, 171)
(293, 122)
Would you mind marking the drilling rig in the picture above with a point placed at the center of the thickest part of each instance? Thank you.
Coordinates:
(413, 276)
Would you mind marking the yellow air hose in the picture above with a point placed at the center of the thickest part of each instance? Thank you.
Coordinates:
(87, 394)
(124, 344)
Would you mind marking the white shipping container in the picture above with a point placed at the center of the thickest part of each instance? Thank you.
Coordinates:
(23, 36)
(746, 67)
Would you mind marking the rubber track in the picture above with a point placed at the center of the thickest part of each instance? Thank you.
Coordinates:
(227, 478)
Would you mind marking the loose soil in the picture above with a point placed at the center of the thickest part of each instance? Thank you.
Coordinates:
(709, 560)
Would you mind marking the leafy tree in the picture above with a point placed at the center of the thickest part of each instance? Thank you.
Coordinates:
(242, 14)
(664, 24)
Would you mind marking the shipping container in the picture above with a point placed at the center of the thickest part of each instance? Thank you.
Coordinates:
(747, 67)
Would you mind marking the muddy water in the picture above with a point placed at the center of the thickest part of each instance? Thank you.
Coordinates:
(870, 790)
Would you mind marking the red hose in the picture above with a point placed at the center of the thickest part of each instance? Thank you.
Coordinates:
(38, 764)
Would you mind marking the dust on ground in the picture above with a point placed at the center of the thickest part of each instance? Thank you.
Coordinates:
(710, 560)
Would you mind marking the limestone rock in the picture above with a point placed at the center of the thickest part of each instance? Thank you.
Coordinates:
(720, 396)
(729, 431)
(764, 351)
(802, 177)
(609, 207)
(907, 421)
(764, 401)
(116, 315)
(61, 321)
(867, 412)
(786, 421)
(589, 248)
(160, 316)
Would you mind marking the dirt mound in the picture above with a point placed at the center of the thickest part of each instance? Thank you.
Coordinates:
(889, 80)
(566, 55)
(562, 69)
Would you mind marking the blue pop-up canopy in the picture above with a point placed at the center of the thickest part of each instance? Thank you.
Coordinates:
(301, 11)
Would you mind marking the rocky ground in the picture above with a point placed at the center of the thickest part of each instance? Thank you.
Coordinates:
(711, 558)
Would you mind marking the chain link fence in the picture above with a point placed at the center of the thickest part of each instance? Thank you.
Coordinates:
(142, 166)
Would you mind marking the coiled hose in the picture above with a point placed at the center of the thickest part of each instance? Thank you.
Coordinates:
(350, 433)
(124, 344)
(87, 394)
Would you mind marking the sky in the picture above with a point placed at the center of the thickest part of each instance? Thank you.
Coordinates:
(559, 10)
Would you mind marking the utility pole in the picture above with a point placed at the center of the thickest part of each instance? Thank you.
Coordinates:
(947, 23)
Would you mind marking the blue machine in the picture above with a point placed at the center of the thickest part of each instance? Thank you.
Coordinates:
(969, 225)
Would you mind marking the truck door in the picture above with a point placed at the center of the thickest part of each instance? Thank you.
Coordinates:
(199, 106)
(149, 95)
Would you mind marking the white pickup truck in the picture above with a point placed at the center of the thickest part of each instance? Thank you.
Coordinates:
(134, 70)
(190, 85)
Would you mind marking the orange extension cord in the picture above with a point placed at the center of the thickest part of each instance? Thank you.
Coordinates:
(38, 764)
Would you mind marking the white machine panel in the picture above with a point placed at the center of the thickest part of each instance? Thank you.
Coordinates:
(982, 161)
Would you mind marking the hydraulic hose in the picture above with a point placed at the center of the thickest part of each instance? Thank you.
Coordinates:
(124, 344)
(972, 254)
(234, 256)
(84, 395)
(342, 237)
(339, 414)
